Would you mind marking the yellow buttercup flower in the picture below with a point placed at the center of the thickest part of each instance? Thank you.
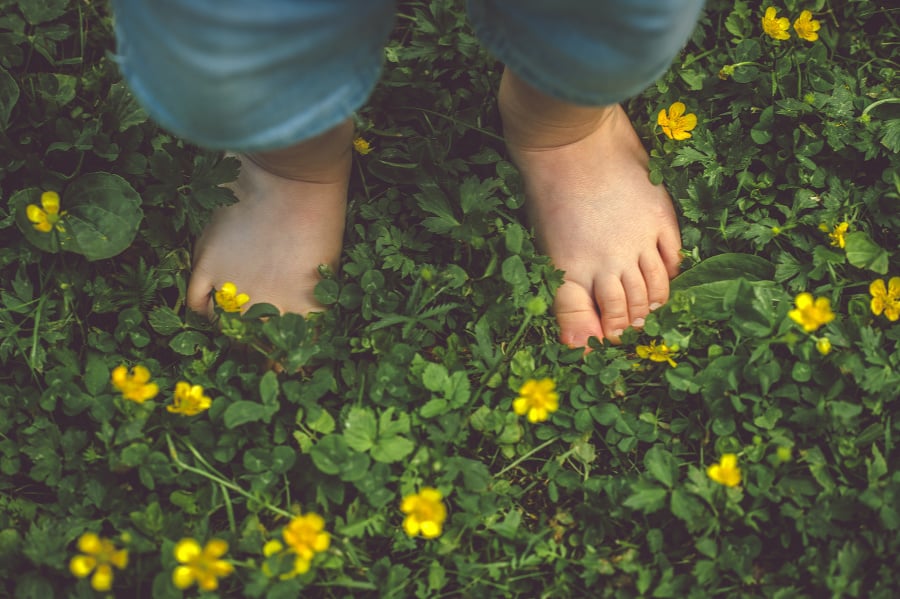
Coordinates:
(726, 472)
(136, 385)
(537, 399)
(306, 536)
(657, 353)
(98, 555)
(838, 235)
(425, 513)
(189, 400)
(776, 28)
(200, 565)
(823, 346)
(806, 27)
(886, 298)
(229, 299)
(361, 146)
(46, 216)
(811, 314)
(675, 123)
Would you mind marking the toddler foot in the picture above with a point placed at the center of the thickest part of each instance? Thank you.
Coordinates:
(288, 220)
(594, 211)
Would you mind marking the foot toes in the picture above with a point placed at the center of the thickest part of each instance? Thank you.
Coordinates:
(613, 304)
(576, 314)
(656, 277)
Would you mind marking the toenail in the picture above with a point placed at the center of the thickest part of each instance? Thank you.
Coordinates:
(618, 333)
(655, 305)
(638, 323)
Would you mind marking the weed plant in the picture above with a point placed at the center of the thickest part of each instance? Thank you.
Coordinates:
(744, 444)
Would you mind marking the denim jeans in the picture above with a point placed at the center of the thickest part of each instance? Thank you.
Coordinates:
(251, 75)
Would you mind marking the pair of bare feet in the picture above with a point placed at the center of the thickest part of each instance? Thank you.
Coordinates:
(588, 195)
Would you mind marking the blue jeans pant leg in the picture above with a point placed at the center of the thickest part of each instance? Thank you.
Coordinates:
(590, 52)
(251, 75)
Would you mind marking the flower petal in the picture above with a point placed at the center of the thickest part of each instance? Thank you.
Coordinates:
(187, 550)
(82, 565)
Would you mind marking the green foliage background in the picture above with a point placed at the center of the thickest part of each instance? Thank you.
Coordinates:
(408, 379)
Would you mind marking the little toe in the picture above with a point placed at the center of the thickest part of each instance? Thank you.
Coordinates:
(198, 294)
(669, 247)
(577, 315)
(656, 278)
(613, 304)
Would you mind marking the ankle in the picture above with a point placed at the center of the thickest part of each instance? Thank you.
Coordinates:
(534, 120)
(325, 158)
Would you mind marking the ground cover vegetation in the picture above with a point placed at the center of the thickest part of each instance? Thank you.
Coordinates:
(427, 436)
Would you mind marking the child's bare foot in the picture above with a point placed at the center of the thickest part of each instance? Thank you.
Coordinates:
(289, 219)
(594, 210)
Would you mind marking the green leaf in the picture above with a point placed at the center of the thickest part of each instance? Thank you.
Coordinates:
(9, 95)
(243, 411)
(392, 449)
(96, 374)
(330, 453)
(862, 252)
(187, 343)
(43, 10)
(287, 332)
(103, 216)
(435, 377)
(268, 388)
(124, 107)
(164, 320)
(327, 291)
(360, 429)
(515, 274)
(661, 465)
(434, 407)
(647, 498)
(723, 267)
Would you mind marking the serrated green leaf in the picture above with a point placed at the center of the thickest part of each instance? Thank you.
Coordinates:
(392, 449)
(360, 429)
(661, 465)
(435, 377)
(862, 252)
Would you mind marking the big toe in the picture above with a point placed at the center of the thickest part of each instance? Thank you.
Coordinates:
(576, 314)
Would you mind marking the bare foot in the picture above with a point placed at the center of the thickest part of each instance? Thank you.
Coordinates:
(284, 225)
(594, 210)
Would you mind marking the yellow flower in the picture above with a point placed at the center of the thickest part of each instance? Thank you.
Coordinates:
(811, 314)
(425, 513)
(306, 536)
(774, 27)
(806, 28)
(537, 399)
(838, 235)
(229, 299)
(202, 566)
(657, 353)
(823, 345)
(135, 386)
(676, 124)
(886, 299)
(47, 215)
(726, 472)
(98, 555)
(189, 400)
(361, 146)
